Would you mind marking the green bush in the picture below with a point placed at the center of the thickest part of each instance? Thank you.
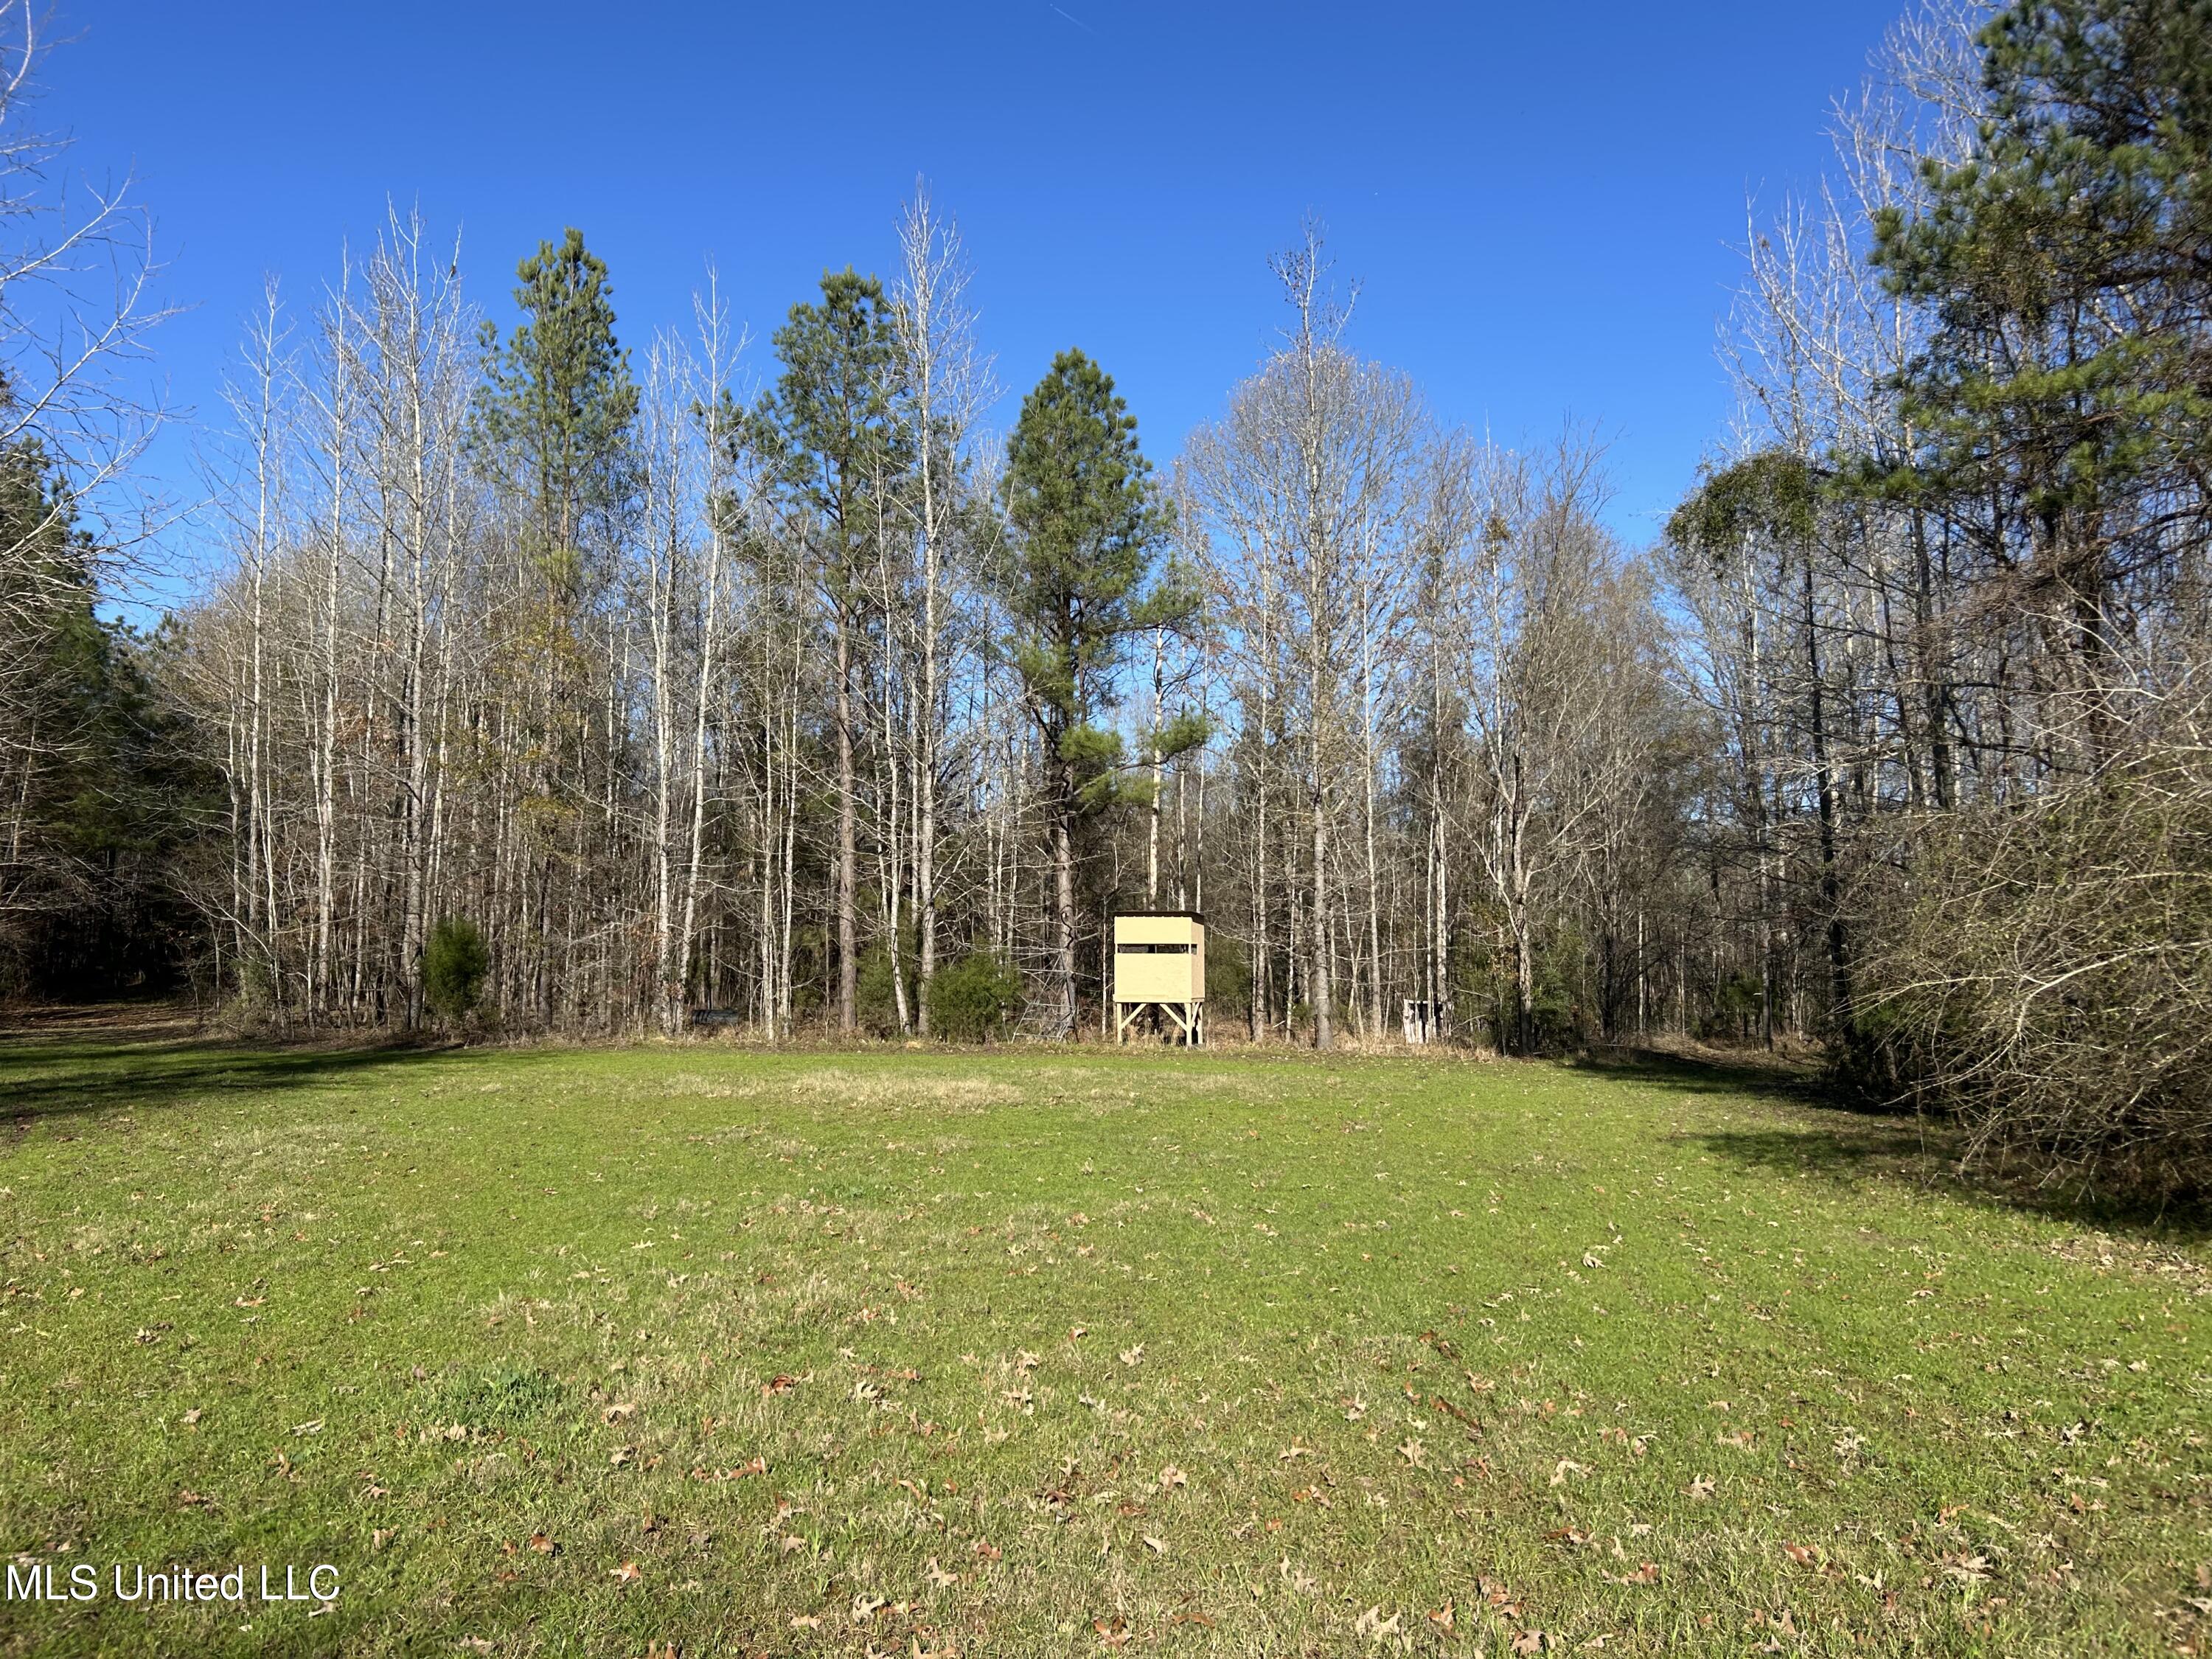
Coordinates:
(1228, 977)
(875, 991)
(976, 998)
(454, 963)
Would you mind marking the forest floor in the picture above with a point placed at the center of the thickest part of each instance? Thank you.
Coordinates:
(699, 1350)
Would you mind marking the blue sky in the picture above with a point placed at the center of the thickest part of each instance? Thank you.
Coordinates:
(1539, 201)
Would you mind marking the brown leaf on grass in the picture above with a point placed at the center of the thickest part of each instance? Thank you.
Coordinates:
(1441, 1619)
(1414, 1452)
(1114, 1633)
(938, 1576)
(805, 1621)
(1971, 1568)
(864, 1608)
(380, 1537)
(1530, 1641)
(1648, 1573)
(989, 1552)
(627, 1573)
(1803, 1554)
(1171, 1476)
(543, 1545)
(792, 1542)
(1374, 1626)
(1134, 1357)
(621, 1410)
(1700, 1488)
(190, 1420)
(781, 1383)
(1473, 1423)
(1157, 1546)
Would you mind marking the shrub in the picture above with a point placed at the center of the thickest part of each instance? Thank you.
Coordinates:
(875, 991)
(2047, 976)
(976, 998)
(454, 963)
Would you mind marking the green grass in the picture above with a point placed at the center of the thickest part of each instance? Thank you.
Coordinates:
(1040, 1353)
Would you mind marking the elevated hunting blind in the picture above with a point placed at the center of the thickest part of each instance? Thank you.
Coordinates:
(1159, 963)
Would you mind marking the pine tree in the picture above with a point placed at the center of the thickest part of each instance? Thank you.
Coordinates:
(1089, 522)
(2067, 262)
(559, 399)
(840, 454)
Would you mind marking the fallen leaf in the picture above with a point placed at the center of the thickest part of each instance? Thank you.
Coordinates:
(1172, 1476)
(1133, 1356)
(191, 1418)
(543, 1545)
(1702, 1487)
(1971, 1568)
(1372, 1624)
(619, 1412)
(1441, 1619)
(1157, 1546)
(627, 1573)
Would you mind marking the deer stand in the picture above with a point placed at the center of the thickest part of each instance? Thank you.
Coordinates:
(1159, 967)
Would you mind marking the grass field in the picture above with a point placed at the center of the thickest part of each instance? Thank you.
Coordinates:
(696, 1350)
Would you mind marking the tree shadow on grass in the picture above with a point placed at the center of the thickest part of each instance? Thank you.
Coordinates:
(1748, 1075)
(56, 1067)
(1849, 1140)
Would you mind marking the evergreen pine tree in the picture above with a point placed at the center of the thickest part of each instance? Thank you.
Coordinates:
(840, 453)
(1089, 522)
(559, 401)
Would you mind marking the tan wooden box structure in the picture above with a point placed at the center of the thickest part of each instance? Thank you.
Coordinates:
(1159, 961)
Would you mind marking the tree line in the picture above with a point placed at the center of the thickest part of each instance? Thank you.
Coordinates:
(644, 678)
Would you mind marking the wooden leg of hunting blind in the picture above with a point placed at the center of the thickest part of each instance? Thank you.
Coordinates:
(1188, 1020)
